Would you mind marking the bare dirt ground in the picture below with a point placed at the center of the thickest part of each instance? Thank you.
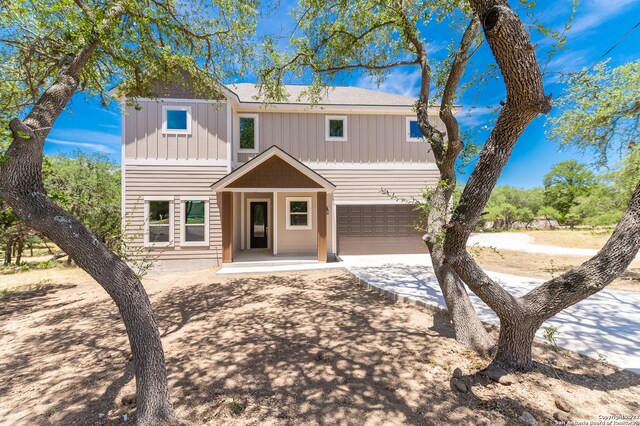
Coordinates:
(577, 238)
(288, 348)
(543, 266)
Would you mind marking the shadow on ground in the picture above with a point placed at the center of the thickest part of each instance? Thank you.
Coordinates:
(286, 349)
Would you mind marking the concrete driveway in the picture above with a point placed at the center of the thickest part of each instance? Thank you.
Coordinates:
(605, 326)
(518, 241)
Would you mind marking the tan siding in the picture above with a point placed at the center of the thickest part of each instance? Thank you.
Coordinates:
(365, 185)
(144, 138)
(296, 241)
(171, 181)
(372, 138)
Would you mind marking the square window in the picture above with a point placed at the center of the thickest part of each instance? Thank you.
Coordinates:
(413, 130)
(298, 212)
(336, 128)
(159, 222)
(176, 120)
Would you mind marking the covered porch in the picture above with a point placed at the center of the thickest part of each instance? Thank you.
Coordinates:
(274, 209)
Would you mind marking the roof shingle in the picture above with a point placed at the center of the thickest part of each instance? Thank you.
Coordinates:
(333, 95)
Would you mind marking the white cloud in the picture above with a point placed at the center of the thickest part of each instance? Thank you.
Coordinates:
(87, 136)
(89, 140)
(473, 116)
(598, 12)
(401, 81)
(83, 145)
(566, 62)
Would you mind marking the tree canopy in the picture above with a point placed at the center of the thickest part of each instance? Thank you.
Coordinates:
(600, 111)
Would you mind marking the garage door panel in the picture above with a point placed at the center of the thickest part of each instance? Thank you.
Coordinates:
(378, 229)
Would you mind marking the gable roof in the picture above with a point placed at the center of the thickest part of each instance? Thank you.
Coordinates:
(333, 95)
(260, 159)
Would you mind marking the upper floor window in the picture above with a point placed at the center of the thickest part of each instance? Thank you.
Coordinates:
(195, 221)
(159, 219)
(413, 130)
(176, 120)
(336, 128)
(248, 130)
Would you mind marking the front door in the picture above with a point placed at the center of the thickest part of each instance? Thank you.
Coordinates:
(259, 222)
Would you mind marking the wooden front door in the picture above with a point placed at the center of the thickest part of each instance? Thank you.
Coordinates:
(259, 224)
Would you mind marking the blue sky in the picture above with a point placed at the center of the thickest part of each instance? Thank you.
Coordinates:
(598, 25)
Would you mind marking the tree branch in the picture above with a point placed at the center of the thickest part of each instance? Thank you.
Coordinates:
(596, 273)
(514, 54)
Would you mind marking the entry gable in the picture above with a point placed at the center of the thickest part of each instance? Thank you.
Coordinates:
(275, 169)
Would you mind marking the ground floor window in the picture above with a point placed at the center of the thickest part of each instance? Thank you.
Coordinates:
(195, 221)
(158, 221)
(298, 212)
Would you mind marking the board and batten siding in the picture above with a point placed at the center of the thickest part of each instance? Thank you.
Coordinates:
(371, 138)
(172, 181)
(143, 137)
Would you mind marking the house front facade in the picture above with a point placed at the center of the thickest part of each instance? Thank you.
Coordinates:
(225, 180)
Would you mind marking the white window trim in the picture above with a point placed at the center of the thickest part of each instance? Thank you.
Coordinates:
(148, 243)
(327, 119)
(408, 121)
(183, 223)
(256, 133)
(166, 131)
(309, 224)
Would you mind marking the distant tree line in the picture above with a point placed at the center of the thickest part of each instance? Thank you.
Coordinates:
(572, 194)
(88, 186)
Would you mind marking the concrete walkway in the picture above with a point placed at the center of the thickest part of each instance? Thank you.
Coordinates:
(605, 326)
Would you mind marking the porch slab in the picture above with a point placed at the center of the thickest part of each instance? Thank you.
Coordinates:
(253, 268)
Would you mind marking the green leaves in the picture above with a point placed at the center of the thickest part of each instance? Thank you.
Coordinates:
(567, 181)
(600, 111)
(88, 186)
(206, 43)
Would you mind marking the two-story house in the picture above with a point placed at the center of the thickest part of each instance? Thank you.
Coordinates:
(228, 179)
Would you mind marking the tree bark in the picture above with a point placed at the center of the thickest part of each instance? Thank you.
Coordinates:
(8, 251)
(22, 187)
(19, 249)
(468, 328)
(515, 343)
(521, 317)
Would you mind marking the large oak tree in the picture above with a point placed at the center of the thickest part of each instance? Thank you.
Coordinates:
(377, 35)
(51, 51)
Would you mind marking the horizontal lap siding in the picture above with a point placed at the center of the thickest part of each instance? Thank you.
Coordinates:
(365, 185)
(171, 181)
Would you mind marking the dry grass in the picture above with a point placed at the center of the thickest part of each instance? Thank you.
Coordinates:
(584, 239)
(544, 266)
(303, 348)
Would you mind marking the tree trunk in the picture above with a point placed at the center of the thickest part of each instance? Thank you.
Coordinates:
(119, 281)
(68, 262)
(515, 343)
(22, 188)
(19, 249)
(7, 252)
(468, 328)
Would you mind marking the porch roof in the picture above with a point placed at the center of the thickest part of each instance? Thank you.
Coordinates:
(273, 169)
